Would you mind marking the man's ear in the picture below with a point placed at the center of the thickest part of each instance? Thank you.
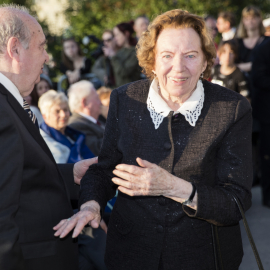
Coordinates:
(83, 102)
(14, 48)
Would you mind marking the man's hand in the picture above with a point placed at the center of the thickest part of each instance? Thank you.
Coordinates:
(89, 214)
(81, 167)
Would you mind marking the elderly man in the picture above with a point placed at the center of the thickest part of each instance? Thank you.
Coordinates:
(85, 106)
(33, 188)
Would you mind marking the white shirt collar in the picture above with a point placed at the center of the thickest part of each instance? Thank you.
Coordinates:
(11, 87)
(229, 35)
(92, 119)
(159, 109)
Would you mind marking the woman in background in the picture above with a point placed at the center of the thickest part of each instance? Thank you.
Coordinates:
(250, 34)
(66, 144)
(74, 64)
(124, 61)
(44, 85)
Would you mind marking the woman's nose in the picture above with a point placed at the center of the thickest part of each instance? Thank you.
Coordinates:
(179, 63)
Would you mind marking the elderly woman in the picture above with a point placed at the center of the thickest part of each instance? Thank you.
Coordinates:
(66, 144)
(176, 147)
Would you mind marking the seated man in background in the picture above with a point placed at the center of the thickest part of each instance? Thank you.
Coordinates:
(85, 106)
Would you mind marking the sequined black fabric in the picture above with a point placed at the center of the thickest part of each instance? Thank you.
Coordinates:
(215, 155)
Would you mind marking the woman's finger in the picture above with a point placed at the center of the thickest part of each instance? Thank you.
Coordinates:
(126, 175)
(144, 163)
(63, 221)
(124, 183)
(136, 170)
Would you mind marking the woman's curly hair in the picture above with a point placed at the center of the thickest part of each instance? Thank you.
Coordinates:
(176, 18)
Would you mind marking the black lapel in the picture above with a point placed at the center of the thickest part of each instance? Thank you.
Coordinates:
(26, 121)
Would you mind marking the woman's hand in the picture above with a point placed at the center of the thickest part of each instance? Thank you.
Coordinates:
(73, 76)
(147, 180)
(89, 214)
(151, 180)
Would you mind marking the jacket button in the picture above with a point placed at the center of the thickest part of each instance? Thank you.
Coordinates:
(159, 229)
(167, 145)
(161, 201)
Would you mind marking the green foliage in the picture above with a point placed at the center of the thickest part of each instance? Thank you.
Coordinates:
(93, 16)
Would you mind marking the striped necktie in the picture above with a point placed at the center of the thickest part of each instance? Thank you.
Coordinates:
(30, 113)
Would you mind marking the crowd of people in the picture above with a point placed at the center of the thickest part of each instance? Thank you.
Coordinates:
(73, 122)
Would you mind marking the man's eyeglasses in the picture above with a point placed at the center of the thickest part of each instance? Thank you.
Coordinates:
(107, 40)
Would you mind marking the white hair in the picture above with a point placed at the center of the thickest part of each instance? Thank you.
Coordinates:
(50, 98)
(77, 92)
(13, 26)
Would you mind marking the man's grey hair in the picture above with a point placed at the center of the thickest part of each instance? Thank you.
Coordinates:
(77, 92)
(13, 26)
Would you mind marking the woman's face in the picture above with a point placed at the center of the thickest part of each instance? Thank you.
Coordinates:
(42, 87)
(226, 55)
(70, 49)
(251, 22)
(120, 38)
(108, 40)
(58, 116)
(179, 61)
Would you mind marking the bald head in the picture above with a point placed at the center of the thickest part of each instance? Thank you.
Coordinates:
(15, 21)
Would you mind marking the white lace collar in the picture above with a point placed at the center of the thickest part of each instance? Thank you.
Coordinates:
(159, 109)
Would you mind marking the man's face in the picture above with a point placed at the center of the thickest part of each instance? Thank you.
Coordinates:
(140, 26)
(93, 104)
(222, 25)
(32, 59)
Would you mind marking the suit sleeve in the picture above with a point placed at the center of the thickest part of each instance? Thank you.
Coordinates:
(11, 160)
(68, 176)
(233, 174)
(96, 184)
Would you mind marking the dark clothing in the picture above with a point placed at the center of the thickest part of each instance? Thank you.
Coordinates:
(215, 155)
(265, 162)
(103, 67)
(93, 132)
(261, 82)
(35, 195)
(235, 81)
(92, 244)
(245, 55)
(125, 66)
(84, 70)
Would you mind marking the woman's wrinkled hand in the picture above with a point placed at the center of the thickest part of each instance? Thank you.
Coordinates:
(147, 180)
(89, 214)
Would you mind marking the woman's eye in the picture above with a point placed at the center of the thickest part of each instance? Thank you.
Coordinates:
(190, 56)
(167, 56)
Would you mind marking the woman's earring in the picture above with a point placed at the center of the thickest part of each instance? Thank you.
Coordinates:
(201, 77)
(155, 75)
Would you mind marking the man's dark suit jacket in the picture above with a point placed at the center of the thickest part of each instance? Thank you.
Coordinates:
(33, 195)
(215, 155)
(261, 82)
(93, 132)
